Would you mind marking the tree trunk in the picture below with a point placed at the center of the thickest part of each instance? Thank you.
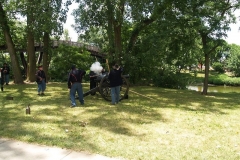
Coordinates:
(118, 30)
(142, 25)
(24, 63)
(118, 42)
(11, 48)
(110, 29)
(32, 58)
(46, 42)
(206, 55)
(30, 47)
(205, 85)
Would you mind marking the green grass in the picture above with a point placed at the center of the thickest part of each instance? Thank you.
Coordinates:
(154, 124)
(215, 78)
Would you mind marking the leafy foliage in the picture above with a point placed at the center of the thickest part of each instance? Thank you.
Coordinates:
(223, 79)
(218, 67)
(66, 56)
(146, 37)
(169, 79)
(233, 59)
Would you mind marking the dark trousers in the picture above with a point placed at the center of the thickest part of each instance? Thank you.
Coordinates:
(1, 83)
(93, 84)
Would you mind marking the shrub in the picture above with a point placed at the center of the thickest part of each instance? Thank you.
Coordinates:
(223, 79)
(218, 67)
(172, 80)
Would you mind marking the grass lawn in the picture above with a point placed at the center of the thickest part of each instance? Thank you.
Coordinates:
(167, 124)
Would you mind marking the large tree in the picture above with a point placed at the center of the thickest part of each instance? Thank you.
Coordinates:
(50, 23)
(44, 19)
(232, 54)
(10, 45)
(113, 16)
(206, 20)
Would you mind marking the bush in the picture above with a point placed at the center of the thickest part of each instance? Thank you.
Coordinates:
(223, 79)
(172, 80)
(218, 67)
(64, 58)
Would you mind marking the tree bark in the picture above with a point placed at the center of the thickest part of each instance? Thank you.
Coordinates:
(205, 85)
(46, 48)
(11, 48)
(24, 63)
(30, 46)
(118, 42)
(206, 55)
(143, 24)
(110, 28)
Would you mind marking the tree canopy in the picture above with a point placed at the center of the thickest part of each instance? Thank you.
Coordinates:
(150, 38)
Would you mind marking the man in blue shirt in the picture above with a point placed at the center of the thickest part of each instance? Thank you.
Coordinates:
(115, 78)
(75, 85)
(6, 71)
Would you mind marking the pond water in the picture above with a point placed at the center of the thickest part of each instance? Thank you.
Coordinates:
(221, 89)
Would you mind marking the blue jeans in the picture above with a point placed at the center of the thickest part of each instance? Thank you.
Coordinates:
(115, 94)
(41, 86)
(6, 78)
(76, 87)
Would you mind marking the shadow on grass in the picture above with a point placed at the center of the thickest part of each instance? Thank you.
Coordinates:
(118, 118)
(52, 122)
(190, 100)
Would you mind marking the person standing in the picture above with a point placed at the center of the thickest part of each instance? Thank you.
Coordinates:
(6, 71)
(93, 83)
(115, 78)
(1, 79)
(75, 85)
(41, 80)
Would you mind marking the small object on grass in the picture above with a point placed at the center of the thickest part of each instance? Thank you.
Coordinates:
(9, 98)
(83, 124)
(218, 146)
(66, 130)
(28, 110)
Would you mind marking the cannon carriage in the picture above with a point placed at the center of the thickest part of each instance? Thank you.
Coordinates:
(103, 87)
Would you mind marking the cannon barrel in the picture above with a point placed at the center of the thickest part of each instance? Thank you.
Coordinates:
(100, 77)
(94, 90)
(103, 87)
(126, 75)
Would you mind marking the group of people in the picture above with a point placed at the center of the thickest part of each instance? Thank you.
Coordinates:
(75, 80)
(4, 75)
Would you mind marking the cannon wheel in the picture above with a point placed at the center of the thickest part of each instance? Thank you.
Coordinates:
(105, 91)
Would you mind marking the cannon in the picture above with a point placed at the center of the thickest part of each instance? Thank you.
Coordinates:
(103, 87)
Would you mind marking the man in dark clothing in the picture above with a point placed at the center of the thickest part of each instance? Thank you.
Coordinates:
(1, 78)
(41, 80)
(75, 85)
(115, 77)
(92, 77)
(6, 71)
